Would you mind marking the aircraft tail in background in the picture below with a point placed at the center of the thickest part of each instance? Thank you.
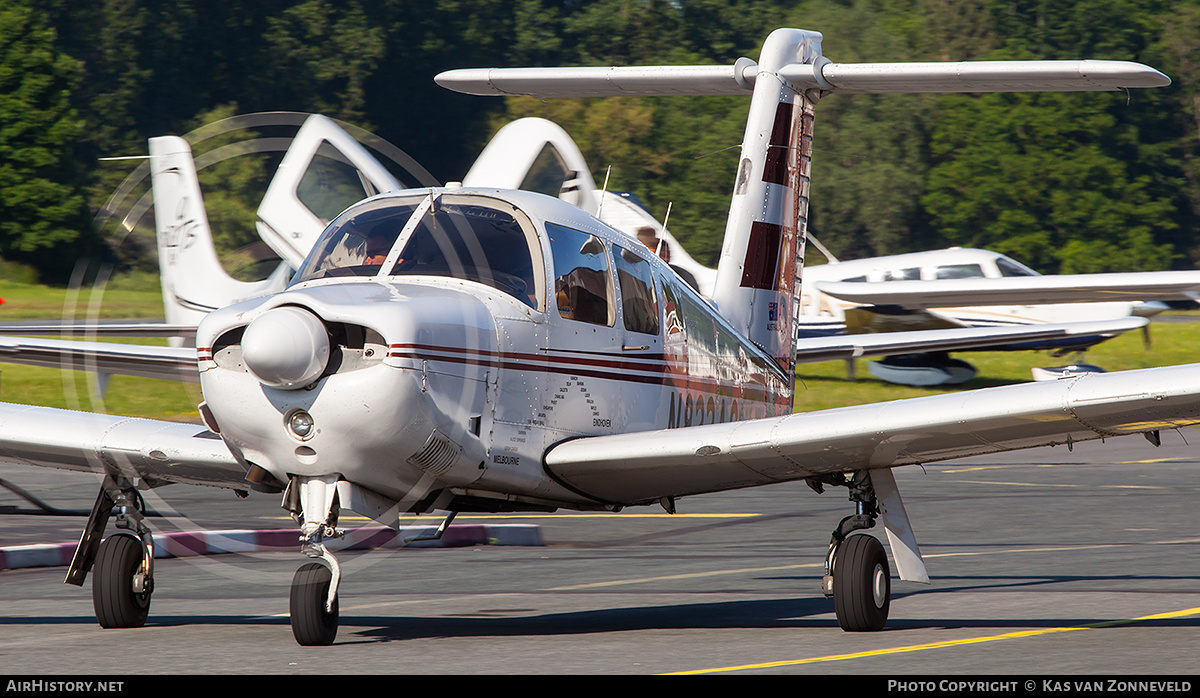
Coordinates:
(193, 281)
(535, 155)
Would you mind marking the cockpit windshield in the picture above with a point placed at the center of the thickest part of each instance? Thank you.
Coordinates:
(462, 237)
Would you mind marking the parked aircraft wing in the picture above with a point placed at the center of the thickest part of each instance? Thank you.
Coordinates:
(101, 329)
(648, 466)
(811, 350)
(168, 363)
(154, 450)
(739, 78)
(1021, 290)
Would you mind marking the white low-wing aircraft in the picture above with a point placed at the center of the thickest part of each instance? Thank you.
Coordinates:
(963, 287)
(482, 349)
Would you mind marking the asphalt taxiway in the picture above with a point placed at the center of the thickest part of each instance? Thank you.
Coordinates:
(1046, 562)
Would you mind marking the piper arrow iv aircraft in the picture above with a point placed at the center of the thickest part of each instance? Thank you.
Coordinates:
(479, 349)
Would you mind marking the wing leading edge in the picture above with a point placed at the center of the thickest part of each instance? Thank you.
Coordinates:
(645, 467)
(167, 363)
(1021, 290)
(816, 349)
(159, 452)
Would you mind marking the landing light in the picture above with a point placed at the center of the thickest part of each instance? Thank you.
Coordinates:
(301, 424)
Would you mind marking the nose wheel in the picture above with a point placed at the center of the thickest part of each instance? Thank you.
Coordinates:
(313, 604)
(314, 622)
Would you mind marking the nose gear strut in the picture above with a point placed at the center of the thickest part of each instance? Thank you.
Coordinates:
(313, 502)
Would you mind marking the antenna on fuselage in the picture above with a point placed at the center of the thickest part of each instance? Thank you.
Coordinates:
(662, 240)
(603, 191)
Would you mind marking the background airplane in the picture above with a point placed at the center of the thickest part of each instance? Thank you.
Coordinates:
(962, 287)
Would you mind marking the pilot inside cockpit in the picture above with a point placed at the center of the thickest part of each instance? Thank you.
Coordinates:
(378, 243)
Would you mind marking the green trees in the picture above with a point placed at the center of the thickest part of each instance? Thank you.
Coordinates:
(41, 205)
(1070, 182)
(1066, 182)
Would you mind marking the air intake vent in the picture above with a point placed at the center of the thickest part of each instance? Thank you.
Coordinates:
(438, 455)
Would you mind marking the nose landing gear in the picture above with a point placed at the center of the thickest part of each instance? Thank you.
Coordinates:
(313, 623)
(313, 604)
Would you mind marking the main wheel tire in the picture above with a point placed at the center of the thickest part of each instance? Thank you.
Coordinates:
(862, 585)
(311, 623)
(113, 597)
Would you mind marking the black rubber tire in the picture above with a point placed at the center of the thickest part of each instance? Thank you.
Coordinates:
(862, 585)
(116, 604)
(311, 624)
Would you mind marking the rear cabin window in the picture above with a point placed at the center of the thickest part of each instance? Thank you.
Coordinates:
(582, 284)
(910, 274)
(960, 271)
(1008, 267)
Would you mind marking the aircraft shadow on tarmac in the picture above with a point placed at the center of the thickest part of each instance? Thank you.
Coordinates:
(764, 614)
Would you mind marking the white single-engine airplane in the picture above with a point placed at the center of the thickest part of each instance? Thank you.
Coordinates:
(962, 287)
(479, 349)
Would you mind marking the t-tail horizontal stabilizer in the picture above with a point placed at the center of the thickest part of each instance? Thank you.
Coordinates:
(739, 79)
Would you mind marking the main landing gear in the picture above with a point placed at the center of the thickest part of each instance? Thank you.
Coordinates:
(123, 564)
(856, 568)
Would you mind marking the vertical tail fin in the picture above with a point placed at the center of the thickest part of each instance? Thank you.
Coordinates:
(193, 281)
(758, 277)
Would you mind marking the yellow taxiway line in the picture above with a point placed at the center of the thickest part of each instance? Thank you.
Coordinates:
(942, 644)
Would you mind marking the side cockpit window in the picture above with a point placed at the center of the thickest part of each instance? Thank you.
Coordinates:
(582, 285)
(639, 307)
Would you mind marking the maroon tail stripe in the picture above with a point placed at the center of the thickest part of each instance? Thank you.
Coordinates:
(775, 170)
(762, 256)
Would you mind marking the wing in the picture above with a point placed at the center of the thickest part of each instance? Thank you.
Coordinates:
(889, 343)
(168, 363)
(645, 467)
(159, 452)
(101, 329)
(1021, 290)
